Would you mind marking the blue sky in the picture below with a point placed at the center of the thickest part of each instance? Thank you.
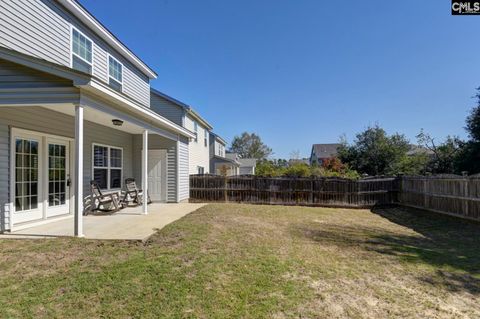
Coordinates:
(303, 72)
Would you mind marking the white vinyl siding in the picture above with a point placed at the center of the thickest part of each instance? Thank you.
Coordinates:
(183, 170)
(199, 154)
(42, 28)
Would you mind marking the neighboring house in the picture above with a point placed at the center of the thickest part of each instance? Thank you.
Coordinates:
(75, 106)
(419, 150)
(234, 168)
(183, 115)
(321, 152)
(220, 164)
(247, 166)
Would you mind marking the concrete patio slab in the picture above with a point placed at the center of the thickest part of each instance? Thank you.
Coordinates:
(127, 224)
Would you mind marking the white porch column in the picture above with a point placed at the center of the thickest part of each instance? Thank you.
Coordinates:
(145, 171)
(78, 231)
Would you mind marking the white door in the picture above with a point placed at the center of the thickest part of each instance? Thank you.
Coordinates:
(57, 177)
(157, 175)
(27, 190)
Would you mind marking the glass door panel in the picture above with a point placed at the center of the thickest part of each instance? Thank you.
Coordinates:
(57, 198)
(26, 184)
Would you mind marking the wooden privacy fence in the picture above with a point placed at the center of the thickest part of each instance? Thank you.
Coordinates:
(335, 192)
(454, 195)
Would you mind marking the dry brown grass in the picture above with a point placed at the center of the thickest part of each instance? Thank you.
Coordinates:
(232, 261)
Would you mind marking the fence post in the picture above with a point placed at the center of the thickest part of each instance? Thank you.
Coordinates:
(399, 190)
(312, 182)
(425, 201)
(466, 196)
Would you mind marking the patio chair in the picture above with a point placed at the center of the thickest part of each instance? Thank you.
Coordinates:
(133, 193)
(104, 202)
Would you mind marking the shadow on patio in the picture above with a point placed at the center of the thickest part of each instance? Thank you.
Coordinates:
(127, 224)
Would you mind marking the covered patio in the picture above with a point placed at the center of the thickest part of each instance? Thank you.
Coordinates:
(127, 224)
(61, 130)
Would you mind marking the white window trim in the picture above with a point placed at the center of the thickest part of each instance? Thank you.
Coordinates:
(108, 69)
(73, 53)
(108, 167)
(195, 129)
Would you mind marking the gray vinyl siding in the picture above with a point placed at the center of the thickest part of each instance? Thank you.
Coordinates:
(156, 142)
(17, 76)
(41, 28)
(42, 120)
(183, 168)
(167, 109)
(4, 177)
(34, 28)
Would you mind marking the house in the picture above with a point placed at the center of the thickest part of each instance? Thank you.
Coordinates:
(234, 168)
(220, 164)
(184, 115)
(75, 106)
(321, 152)
(247, 166)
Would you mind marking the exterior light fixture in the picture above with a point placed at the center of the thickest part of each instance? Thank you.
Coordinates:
(117, 122)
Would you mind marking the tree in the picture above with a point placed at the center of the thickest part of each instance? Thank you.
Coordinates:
(473, 121)
(469, 156)
(268, 169)
(445, 154)
(374, 152)
(250, 146)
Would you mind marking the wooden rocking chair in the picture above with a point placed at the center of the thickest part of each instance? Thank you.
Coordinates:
(133, 194)
(104, 202)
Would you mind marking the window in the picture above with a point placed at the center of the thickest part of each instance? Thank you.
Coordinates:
(195, 129)
(220, 150)
(82, 53)
(107, 166)
(115, 75)
(201, 170)
(26, 174)
(205, 139)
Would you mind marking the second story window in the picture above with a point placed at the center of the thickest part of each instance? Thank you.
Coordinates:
(195, 129)
(205, 139)
(115, 75)
(82, 52)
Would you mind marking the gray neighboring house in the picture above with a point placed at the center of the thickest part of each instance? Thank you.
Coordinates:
(247, 166)
(75, 107)
(220, 163)
(185, 116)
(321, 152)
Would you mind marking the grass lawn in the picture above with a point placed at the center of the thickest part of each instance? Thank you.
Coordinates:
(244, 261)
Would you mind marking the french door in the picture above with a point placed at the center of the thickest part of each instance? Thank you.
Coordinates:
(27, 185)
(41, 175)
(57, 195)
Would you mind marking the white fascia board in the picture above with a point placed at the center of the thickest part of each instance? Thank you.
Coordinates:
(156, 119)
(78, 11)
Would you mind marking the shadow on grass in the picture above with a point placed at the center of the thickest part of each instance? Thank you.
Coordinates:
(447, 243)
(444, 240)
